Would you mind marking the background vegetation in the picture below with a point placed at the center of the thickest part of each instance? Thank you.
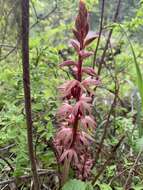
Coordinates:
(117, 105)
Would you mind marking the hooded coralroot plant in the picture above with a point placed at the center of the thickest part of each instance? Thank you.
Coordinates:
(72, 140)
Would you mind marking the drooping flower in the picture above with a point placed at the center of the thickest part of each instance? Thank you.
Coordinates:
(64, 111)
(83, 140)
(75, 44)
(68, 63)
(69, 154)
(90, 82)
(88, 70)
(82, 108)
(70, 89)
(64, 136)
(88, 122)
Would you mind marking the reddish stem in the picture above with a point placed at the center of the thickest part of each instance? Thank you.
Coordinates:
(75, 127)
(79, 78)
(79, 68)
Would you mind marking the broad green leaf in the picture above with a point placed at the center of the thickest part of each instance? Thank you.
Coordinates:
(77, 185)
(139, 144)
(138, 187)
(103, 186)
(74, 185)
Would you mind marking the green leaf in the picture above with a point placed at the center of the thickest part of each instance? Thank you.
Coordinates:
(138, 187)
(91, 3)
(139, 144)
(138, 72)
(77, 185)
(89, 186)
(103, 186)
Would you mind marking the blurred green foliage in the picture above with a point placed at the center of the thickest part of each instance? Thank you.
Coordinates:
(51, 24)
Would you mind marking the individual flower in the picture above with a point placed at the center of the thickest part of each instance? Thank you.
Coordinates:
(64, 111)
(90, 82)
(70, 89)
(88, 70)
(88, 122)
(64, 136)
(70, 155)
(82, 108)
(68, 63)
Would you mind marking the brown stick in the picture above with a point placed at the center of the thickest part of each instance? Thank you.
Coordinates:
(7, 162)
(109, 36)
(111, 109)
(108, 160)
(100, 32)
(127, 185)
(24, 178)
(44, 17)
(107, 124)
(27, 91)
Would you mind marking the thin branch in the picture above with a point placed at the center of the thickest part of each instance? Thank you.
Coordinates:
(6, 25)
(107, 123)
(38, 20)
(7, 162)
(25, 178)
(27, 90)
(121, 173)
(5, 149)
(116, 85)
(109, 36)
(34, 9)
(126, 187)
(4, 187)
(108, 160)
(11, 51)
(100, 32)
(46, 16)
(6, 46)
(51, 145)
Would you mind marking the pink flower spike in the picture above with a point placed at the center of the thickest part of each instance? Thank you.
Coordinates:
(68, 63)
(72, 140)
(84, 54)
